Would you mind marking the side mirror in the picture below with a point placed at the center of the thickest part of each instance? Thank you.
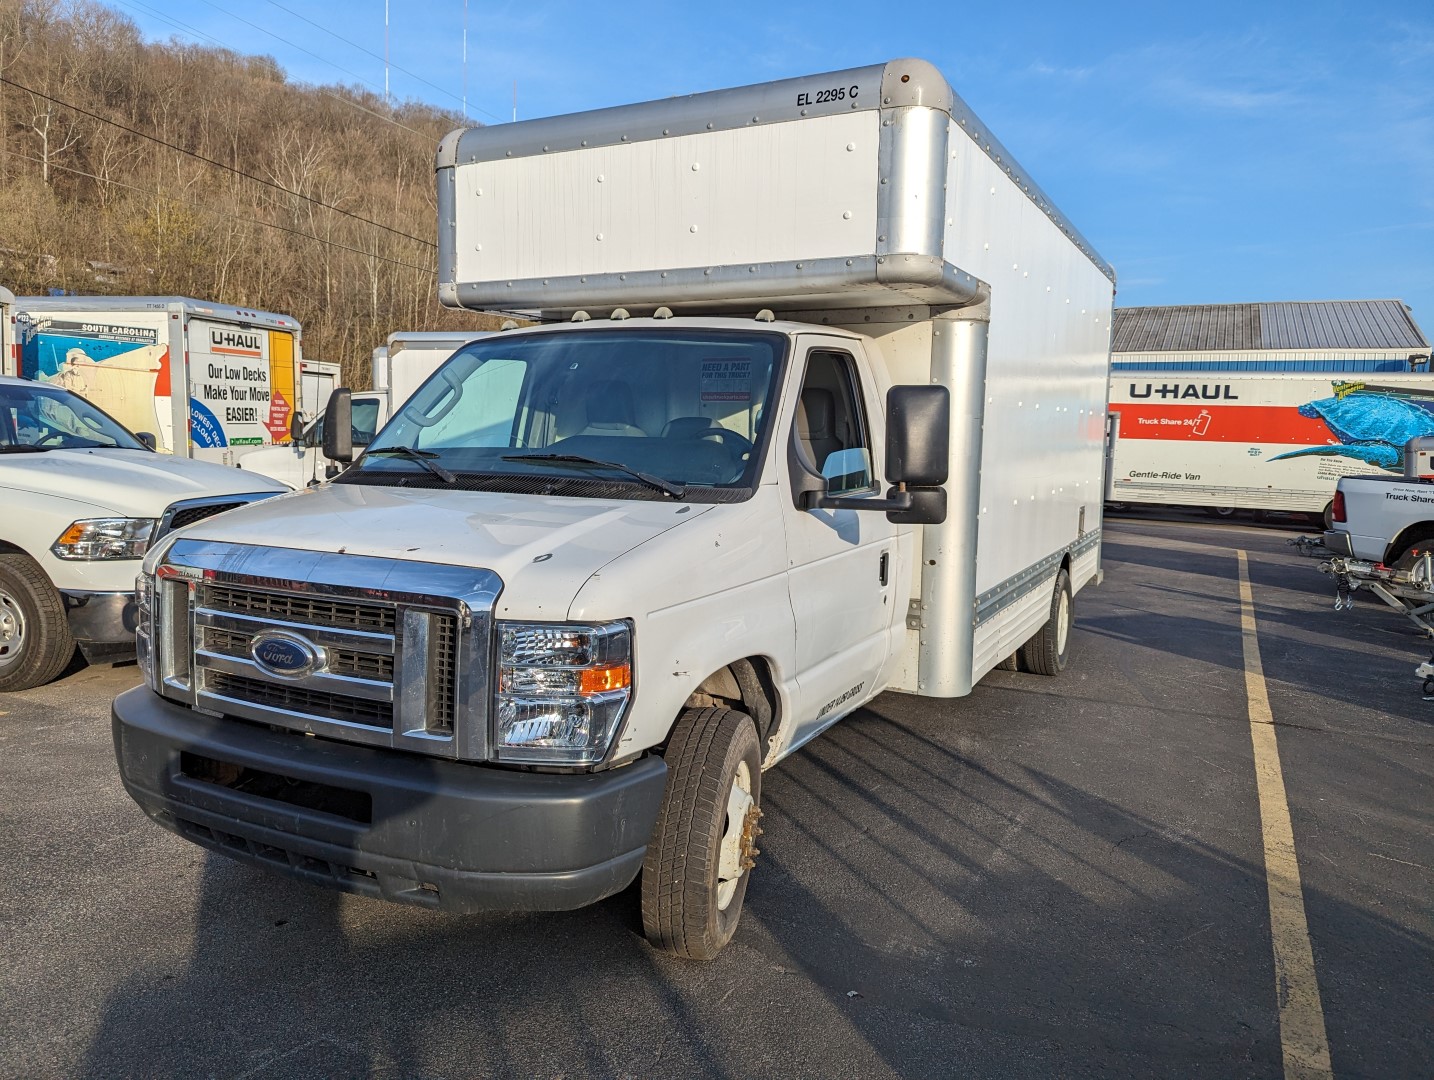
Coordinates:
(147, 437)
(296, 426)
(918, 458)
(338, 426)
(918, 435)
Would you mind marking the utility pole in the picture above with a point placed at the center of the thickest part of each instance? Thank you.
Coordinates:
(515, 101)
(465, 59)
(385, 52)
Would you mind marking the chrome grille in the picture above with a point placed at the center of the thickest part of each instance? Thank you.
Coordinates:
(188, 511)
(359, 665)
(190, 514)
(443, 671)
(294, 608)
(297, 699)
(382, 652)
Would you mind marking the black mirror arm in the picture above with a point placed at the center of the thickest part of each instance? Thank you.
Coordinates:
(897, 499)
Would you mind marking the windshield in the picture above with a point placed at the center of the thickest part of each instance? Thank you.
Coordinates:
(34, 417)
(640, 413)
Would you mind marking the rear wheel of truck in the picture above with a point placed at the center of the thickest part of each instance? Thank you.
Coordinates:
(1327, 515)
(695, 874)
(35, 641)
(1048, 652)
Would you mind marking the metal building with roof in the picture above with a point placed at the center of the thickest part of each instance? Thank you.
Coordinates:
(1320, 335)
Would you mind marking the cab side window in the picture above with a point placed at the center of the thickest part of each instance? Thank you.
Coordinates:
(831, 425)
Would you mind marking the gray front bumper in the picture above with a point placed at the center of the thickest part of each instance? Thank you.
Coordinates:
(102, 623)
(384, 822)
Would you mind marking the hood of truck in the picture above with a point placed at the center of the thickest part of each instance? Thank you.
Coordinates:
(543, 547)
(128, 483)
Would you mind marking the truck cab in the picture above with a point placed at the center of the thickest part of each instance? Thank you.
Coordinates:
(301, 462)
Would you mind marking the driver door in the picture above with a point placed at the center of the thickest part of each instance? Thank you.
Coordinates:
(841, 563)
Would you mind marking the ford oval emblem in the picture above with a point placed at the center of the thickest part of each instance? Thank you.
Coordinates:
(286, 655)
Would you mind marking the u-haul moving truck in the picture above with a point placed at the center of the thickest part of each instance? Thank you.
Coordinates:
(1257, 441)
(544, 635)
(207, 380)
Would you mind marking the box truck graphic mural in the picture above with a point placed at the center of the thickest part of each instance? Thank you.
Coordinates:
(1371, 423)
(206, 380)
(120, 364)
(1257, 441)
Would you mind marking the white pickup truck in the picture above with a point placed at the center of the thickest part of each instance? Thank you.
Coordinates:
(81, 501)
(1383, 518)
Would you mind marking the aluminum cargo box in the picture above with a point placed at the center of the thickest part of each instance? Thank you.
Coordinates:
(830, 191)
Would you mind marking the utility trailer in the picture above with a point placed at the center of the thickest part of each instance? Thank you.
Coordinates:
(1258, 441)
(601, 573)
(208, 380)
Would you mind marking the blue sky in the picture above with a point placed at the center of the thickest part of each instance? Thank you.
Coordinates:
(1213, 152)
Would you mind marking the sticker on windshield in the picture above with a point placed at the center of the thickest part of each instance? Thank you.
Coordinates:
(726, 380)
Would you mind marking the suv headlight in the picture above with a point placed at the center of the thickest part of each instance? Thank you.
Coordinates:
(105, 538)
(562, 691)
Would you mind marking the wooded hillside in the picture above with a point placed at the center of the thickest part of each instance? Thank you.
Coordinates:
(129, 168)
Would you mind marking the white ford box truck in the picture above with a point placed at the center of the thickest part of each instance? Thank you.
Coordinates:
(81, 501)
(399, 368)
(547, 631)
(1257, 440)
(209, 381)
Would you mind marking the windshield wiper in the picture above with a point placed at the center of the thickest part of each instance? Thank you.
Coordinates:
(25, 448)
(676, 491)
(423, 457)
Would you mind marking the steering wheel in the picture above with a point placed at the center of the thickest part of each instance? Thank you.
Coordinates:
(730, 440)
(52, 435)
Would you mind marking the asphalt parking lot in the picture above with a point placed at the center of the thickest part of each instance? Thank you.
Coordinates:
(1054, 877)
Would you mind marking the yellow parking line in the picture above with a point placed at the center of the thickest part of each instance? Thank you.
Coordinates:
(1302, 1034)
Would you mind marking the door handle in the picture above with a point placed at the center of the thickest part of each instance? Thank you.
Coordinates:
(883, 570)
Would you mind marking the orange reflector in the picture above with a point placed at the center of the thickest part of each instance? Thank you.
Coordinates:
(73, 535)
(601, 679)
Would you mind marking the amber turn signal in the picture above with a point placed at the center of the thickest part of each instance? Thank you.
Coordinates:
(599, 680)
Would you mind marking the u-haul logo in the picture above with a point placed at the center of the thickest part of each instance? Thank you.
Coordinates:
(233, 339)
(1182, 391)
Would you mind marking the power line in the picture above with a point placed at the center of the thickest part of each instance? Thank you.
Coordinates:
(217, 164)
(145, 9)
(221, 213)
(376, 56)
(286, 41)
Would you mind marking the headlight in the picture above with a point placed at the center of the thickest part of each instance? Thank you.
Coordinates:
(562, 691)
(105, 538)
(144, 625)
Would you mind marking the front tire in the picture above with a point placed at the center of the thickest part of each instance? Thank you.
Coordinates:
(35, 641)
(1048, 652)
(694, 877)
